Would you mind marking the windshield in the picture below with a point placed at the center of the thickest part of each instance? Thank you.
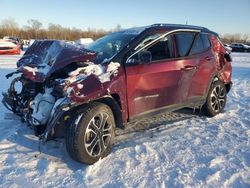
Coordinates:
(111, 44)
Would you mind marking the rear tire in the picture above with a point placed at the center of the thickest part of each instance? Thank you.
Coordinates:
(216, 99)
(91, 134)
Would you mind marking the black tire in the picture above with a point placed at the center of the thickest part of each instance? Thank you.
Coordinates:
(89, 138)
(216, 99)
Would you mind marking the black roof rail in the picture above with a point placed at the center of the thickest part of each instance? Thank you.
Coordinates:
(182, 26)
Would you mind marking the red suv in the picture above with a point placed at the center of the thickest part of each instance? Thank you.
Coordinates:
(85, 93)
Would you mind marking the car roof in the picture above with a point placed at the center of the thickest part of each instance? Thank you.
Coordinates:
(168, 27)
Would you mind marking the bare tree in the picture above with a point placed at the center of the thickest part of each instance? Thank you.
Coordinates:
(10, 27)
(230, 38)
(35, 26)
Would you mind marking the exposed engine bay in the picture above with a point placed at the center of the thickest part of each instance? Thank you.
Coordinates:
(34, 101)
(45, 81)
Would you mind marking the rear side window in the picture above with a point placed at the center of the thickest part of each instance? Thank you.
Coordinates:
(198, 46)
(184, 42)
(206, 41)
(201, 44)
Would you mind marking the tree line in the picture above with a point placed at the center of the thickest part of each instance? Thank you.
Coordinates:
(231, 38)
(34, 30)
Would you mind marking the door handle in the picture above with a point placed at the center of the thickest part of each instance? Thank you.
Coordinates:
(189, 67)
(208, 58)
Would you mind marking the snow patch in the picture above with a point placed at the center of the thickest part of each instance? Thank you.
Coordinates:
(79, 86)
(44, 69)
(54, 50)
(178, 149)
(216, 161)
(113, 68)
(103, 73)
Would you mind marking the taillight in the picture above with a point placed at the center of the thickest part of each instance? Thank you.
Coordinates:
(228, 57)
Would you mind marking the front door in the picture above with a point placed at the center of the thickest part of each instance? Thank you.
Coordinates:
(154, 85)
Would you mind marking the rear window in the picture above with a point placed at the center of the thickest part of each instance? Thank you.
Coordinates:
(184, 42)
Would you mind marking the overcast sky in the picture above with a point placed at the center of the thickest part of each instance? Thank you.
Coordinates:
(222, 16)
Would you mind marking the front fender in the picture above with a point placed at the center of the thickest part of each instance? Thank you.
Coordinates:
(86, 90)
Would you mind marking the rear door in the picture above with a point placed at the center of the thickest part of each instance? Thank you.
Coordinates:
(205, 62)
(197, 69)
(197, 66)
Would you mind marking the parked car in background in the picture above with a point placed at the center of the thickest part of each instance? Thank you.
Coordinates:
(240, 47)
(9, 47)
(15, 40)
(228, 48)
(84, 93)
(84, 41)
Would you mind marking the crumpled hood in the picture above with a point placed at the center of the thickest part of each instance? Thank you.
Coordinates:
(44, 57)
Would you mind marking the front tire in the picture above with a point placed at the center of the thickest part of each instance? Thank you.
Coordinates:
(91, 134)
(216, 99)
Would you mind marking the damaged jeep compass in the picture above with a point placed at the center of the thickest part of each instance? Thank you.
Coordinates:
(84, 93)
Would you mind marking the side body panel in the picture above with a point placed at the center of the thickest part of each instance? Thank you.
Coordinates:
(97, 90)
(188, 70)
(206, 70)
(151, 86)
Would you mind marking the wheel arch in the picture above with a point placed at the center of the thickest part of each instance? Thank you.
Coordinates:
(213, 79)
(113, 101)
(208, 108)
(227, 85)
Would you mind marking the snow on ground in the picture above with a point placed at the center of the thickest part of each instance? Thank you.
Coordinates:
(179, 149)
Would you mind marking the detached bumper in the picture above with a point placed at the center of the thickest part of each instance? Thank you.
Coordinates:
(58, 110)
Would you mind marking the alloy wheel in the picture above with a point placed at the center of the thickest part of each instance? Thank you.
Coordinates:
(218, 98)
(98, 134)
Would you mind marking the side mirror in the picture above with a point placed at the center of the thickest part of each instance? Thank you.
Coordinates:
(145, 57)
(228, 57)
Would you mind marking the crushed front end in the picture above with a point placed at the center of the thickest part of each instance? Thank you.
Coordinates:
(38, 92)
(52, 78)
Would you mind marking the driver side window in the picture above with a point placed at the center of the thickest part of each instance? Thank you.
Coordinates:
(162, 49)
